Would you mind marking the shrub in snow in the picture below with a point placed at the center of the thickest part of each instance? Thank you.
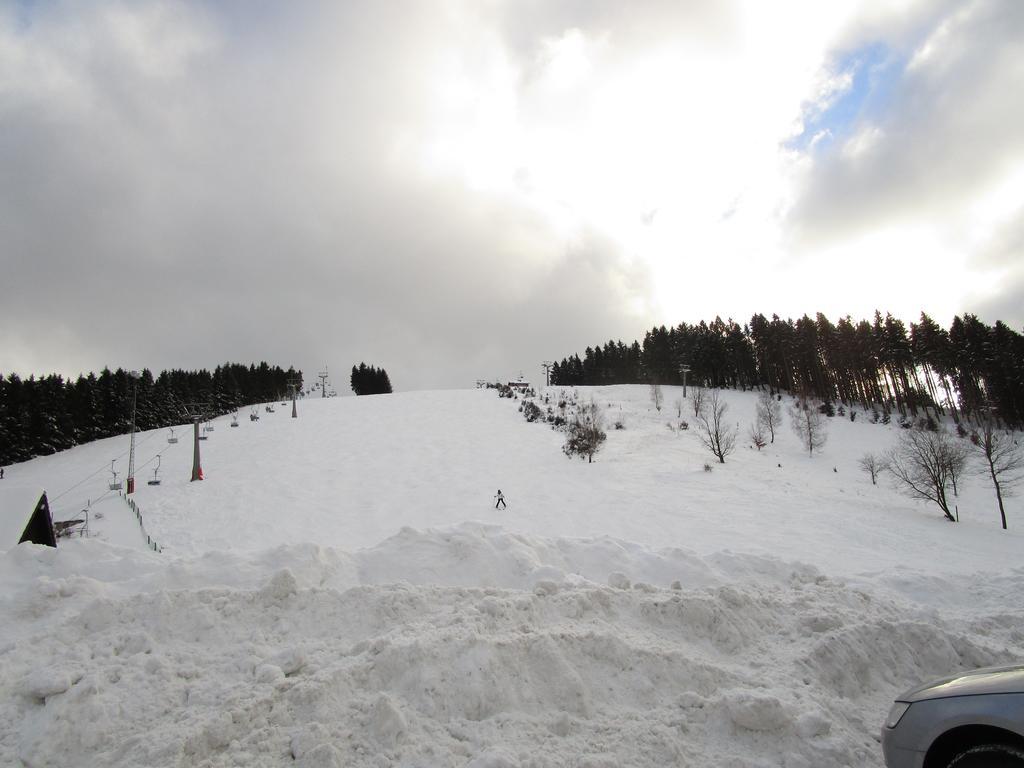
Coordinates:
(707, 467)
(531, 411)
(757, 436)
(586, 432)
(620, 423)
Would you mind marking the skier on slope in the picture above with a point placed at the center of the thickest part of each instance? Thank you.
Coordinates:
(500, 500)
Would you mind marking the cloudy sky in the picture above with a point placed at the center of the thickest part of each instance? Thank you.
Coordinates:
(457, 190)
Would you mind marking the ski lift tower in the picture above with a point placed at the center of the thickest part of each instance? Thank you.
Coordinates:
(196, 412)
(546, 365)
(322, 375)
(293, 385)
(135, 376)
(684, 369)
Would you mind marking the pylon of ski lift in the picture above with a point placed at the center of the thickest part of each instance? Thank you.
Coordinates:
(197, 411)
(197, 467)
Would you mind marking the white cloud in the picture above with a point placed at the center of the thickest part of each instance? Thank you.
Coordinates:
(452, 188)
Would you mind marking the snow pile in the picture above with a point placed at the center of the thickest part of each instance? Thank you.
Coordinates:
(363, 659)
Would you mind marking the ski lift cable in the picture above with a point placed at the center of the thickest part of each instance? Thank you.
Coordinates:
(57, 515)
(165, 449)
(104, 468)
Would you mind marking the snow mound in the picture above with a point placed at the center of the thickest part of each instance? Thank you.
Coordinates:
(312, 657)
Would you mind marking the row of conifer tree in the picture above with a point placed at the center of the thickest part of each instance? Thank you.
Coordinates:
(39, 416)
(970, 369)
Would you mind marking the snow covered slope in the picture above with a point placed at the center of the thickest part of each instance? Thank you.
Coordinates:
(340, 591)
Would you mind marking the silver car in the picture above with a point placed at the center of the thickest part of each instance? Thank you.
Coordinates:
(970, 720)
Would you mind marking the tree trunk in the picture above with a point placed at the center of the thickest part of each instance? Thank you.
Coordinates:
(999, 495)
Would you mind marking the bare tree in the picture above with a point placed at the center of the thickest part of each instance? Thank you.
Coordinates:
(657, 396)
(1003, 462)
(697, 401)
(919, 463)
(757, 436)
(873, 465)
(679, 407)
(586, 432)
(717, 436)
(769, 413)
(957, 456)
(808, 424)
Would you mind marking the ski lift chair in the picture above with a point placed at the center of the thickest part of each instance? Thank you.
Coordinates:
(114, 484)
(172, 439)
(156, 472)
(234, 420)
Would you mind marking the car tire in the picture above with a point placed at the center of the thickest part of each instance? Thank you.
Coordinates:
(989, 756)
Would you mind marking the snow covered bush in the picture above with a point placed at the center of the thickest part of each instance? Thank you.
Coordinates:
(586, 432)
(531, 411)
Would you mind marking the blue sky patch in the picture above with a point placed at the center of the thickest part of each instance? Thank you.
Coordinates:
(874, 71)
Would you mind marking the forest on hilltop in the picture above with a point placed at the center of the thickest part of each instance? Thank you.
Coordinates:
(39, 416)
(970, 369)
